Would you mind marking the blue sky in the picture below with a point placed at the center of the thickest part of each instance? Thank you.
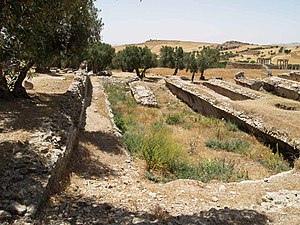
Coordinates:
(255, 21)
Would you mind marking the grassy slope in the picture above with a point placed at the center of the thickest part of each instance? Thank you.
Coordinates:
(294, 56)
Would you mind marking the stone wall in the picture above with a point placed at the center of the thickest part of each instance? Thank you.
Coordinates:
(77, 100)
(248, 66)
(295, 76)
(282, 87)
(208, 106)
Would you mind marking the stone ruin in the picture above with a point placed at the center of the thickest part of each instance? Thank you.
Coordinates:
(203, 100)
(295, 76)
(241, 80)
(282, 87)
(276, 85)
(142, 94)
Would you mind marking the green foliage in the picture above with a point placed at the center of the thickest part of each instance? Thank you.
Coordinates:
(191, 63)
(274, 162)
(100, 56)
(167, 57)
(206, 58)
(173, 119)
(133, 58)
(208, 170)
(43, 33)
(236, 145)
(231, 127)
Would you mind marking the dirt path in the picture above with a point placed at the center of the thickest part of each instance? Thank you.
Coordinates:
(108, 187)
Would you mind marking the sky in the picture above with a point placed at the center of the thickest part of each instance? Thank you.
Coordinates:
(216, 21)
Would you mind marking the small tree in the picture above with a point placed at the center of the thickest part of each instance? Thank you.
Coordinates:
(166, 54)
(148, 60)
(100, 56)
(191, 63)
(206, 58)
(178, 59)
(133, 58)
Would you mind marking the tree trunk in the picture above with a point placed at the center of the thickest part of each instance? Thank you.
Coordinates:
(193, 76)
(138, 72)
(19, 91)
(202, 75)
(175, 72)
(4, 91)
(144, 73)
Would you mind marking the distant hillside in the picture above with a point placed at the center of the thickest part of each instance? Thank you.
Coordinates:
(155, 45)
(241, 51)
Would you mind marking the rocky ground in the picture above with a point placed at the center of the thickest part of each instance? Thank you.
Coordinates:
(107, 186)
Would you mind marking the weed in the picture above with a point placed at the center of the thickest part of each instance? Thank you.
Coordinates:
(237, 145)
(208, 170)
(274, 162)
(231, 127)
(174, 119)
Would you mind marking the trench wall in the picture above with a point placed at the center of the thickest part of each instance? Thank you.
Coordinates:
(78, 98)
(265, 134)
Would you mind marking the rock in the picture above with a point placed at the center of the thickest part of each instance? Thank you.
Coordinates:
(214, 199)
(239, 75)
(4, 215)
(142, 94)
(105, 73)
(28, 85)
(222, 188)
(17, 208)
(137, 220)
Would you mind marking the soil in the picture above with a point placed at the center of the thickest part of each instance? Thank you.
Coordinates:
(107, 186)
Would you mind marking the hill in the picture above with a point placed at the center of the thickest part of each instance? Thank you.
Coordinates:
(241, 51)
(155, 45)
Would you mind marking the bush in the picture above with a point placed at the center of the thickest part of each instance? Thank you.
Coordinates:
(237, 145)
(155, 144)
(173, 119)
(208, 170)
(274, 162)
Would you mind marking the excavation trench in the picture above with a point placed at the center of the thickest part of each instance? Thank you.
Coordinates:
(230, 94)
(204, 104)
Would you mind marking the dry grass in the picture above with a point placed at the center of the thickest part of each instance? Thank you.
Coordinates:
(297, 164)
(193, 130)
(245, 51)
(156, 45)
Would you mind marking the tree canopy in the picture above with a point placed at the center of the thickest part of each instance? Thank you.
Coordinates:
(100, 56)
(42, 33)
(134, 58)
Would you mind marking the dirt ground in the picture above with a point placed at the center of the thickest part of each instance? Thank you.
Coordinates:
(107, 186)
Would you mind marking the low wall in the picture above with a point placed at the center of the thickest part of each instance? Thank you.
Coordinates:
(248, 66)
(210, 107)
(78, 98)
(282, 87)
(295, 76)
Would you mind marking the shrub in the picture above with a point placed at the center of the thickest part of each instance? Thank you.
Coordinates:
(208, 170)
(274, 162)
(237, 145)
(231, 127)
(173, 119)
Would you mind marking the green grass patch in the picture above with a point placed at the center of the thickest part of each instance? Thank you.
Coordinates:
(274, 162)
(174, 119)
(236, 145)
(208, 170)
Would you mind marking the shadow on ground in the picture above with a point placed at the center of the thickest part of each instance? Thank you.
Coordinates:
(77, 210)
(29, 114)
